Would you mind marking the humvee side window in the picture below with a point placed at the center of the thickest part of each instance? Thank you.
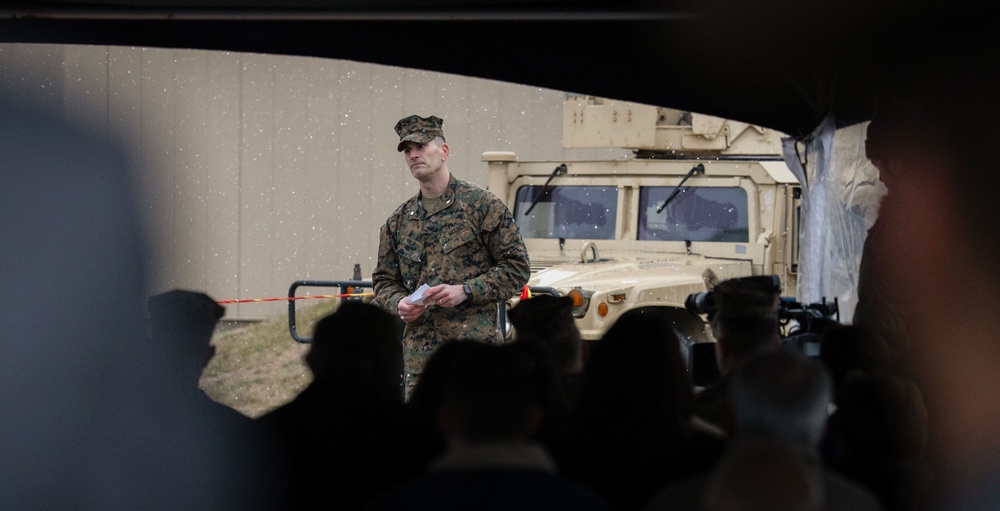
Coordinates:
(571, 212)
(695, 214)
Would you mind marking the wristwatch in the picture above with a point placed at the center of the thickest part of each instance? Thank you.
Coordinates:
(467, 289)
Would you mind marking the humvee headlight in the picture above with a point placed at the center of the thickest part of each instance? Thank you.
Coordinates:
(581, 301)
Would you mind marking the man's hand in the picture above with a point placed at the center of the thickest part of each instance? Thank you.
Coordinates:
(445, 295)
(408, 311)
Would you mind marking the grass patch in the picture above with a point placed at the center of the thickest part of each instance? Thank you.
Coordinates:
(260, 367)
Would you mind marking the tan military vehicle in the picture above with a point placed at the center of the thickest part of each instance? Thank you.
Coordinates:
(701, 200)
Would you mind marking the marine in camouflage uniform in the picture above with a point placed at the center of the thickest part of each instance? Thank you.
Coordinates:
(464, 237)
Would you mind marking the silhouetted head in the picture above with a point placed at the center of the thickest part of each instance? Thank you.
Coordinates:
(852, 350)
(636, 375)
(781, 395)
(184, 321)
(184, 312)
(91, 416)
(547, 322)
(882, 415)
(746, 320)
(492, 394)
(359, 346)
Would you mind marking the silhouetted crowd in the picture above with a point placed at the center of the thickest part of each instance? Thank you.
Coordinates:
(548, 421)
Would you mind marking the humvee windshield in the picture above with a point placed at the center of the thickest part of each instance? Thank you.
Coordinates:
(571, 212)
(589, 212)
(695, 214)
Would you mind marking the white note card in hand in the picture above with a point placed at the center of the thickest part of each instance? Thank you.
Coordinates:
(417, 298)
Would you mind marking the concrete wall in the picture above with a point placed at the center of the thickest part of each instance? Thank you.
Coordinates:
(258, 170)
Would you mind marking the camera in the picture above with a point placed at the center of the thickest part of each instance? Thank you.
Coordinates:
(705, 302)
(757, 298)
(800, 324)
(812, 317)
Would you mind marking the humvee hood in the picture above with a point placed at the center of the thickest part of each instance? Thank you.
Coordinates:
(629, 270)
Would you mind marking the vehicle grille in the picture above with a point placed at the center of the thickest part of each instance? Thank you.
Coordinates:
(535, 268)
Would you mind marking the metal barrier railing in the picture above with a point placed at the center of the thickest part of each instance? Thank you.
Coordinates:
(347, 292)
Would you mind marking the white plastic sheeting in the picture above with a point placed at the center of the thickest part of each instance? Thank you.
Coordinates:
(841, 193)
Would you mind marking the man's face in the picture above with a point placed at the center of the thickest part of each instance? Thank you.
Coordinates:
(425, 160)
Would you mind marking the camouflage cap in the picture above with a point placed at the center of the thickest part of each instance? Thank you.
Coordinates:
(747, 297)
(418, 129)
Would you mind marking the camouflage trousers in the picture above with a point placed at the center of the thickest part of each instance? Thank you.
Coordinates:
(413, 366)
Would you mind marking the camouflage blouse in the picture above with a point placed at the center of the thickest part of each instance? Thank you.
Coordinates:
(469, 237)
